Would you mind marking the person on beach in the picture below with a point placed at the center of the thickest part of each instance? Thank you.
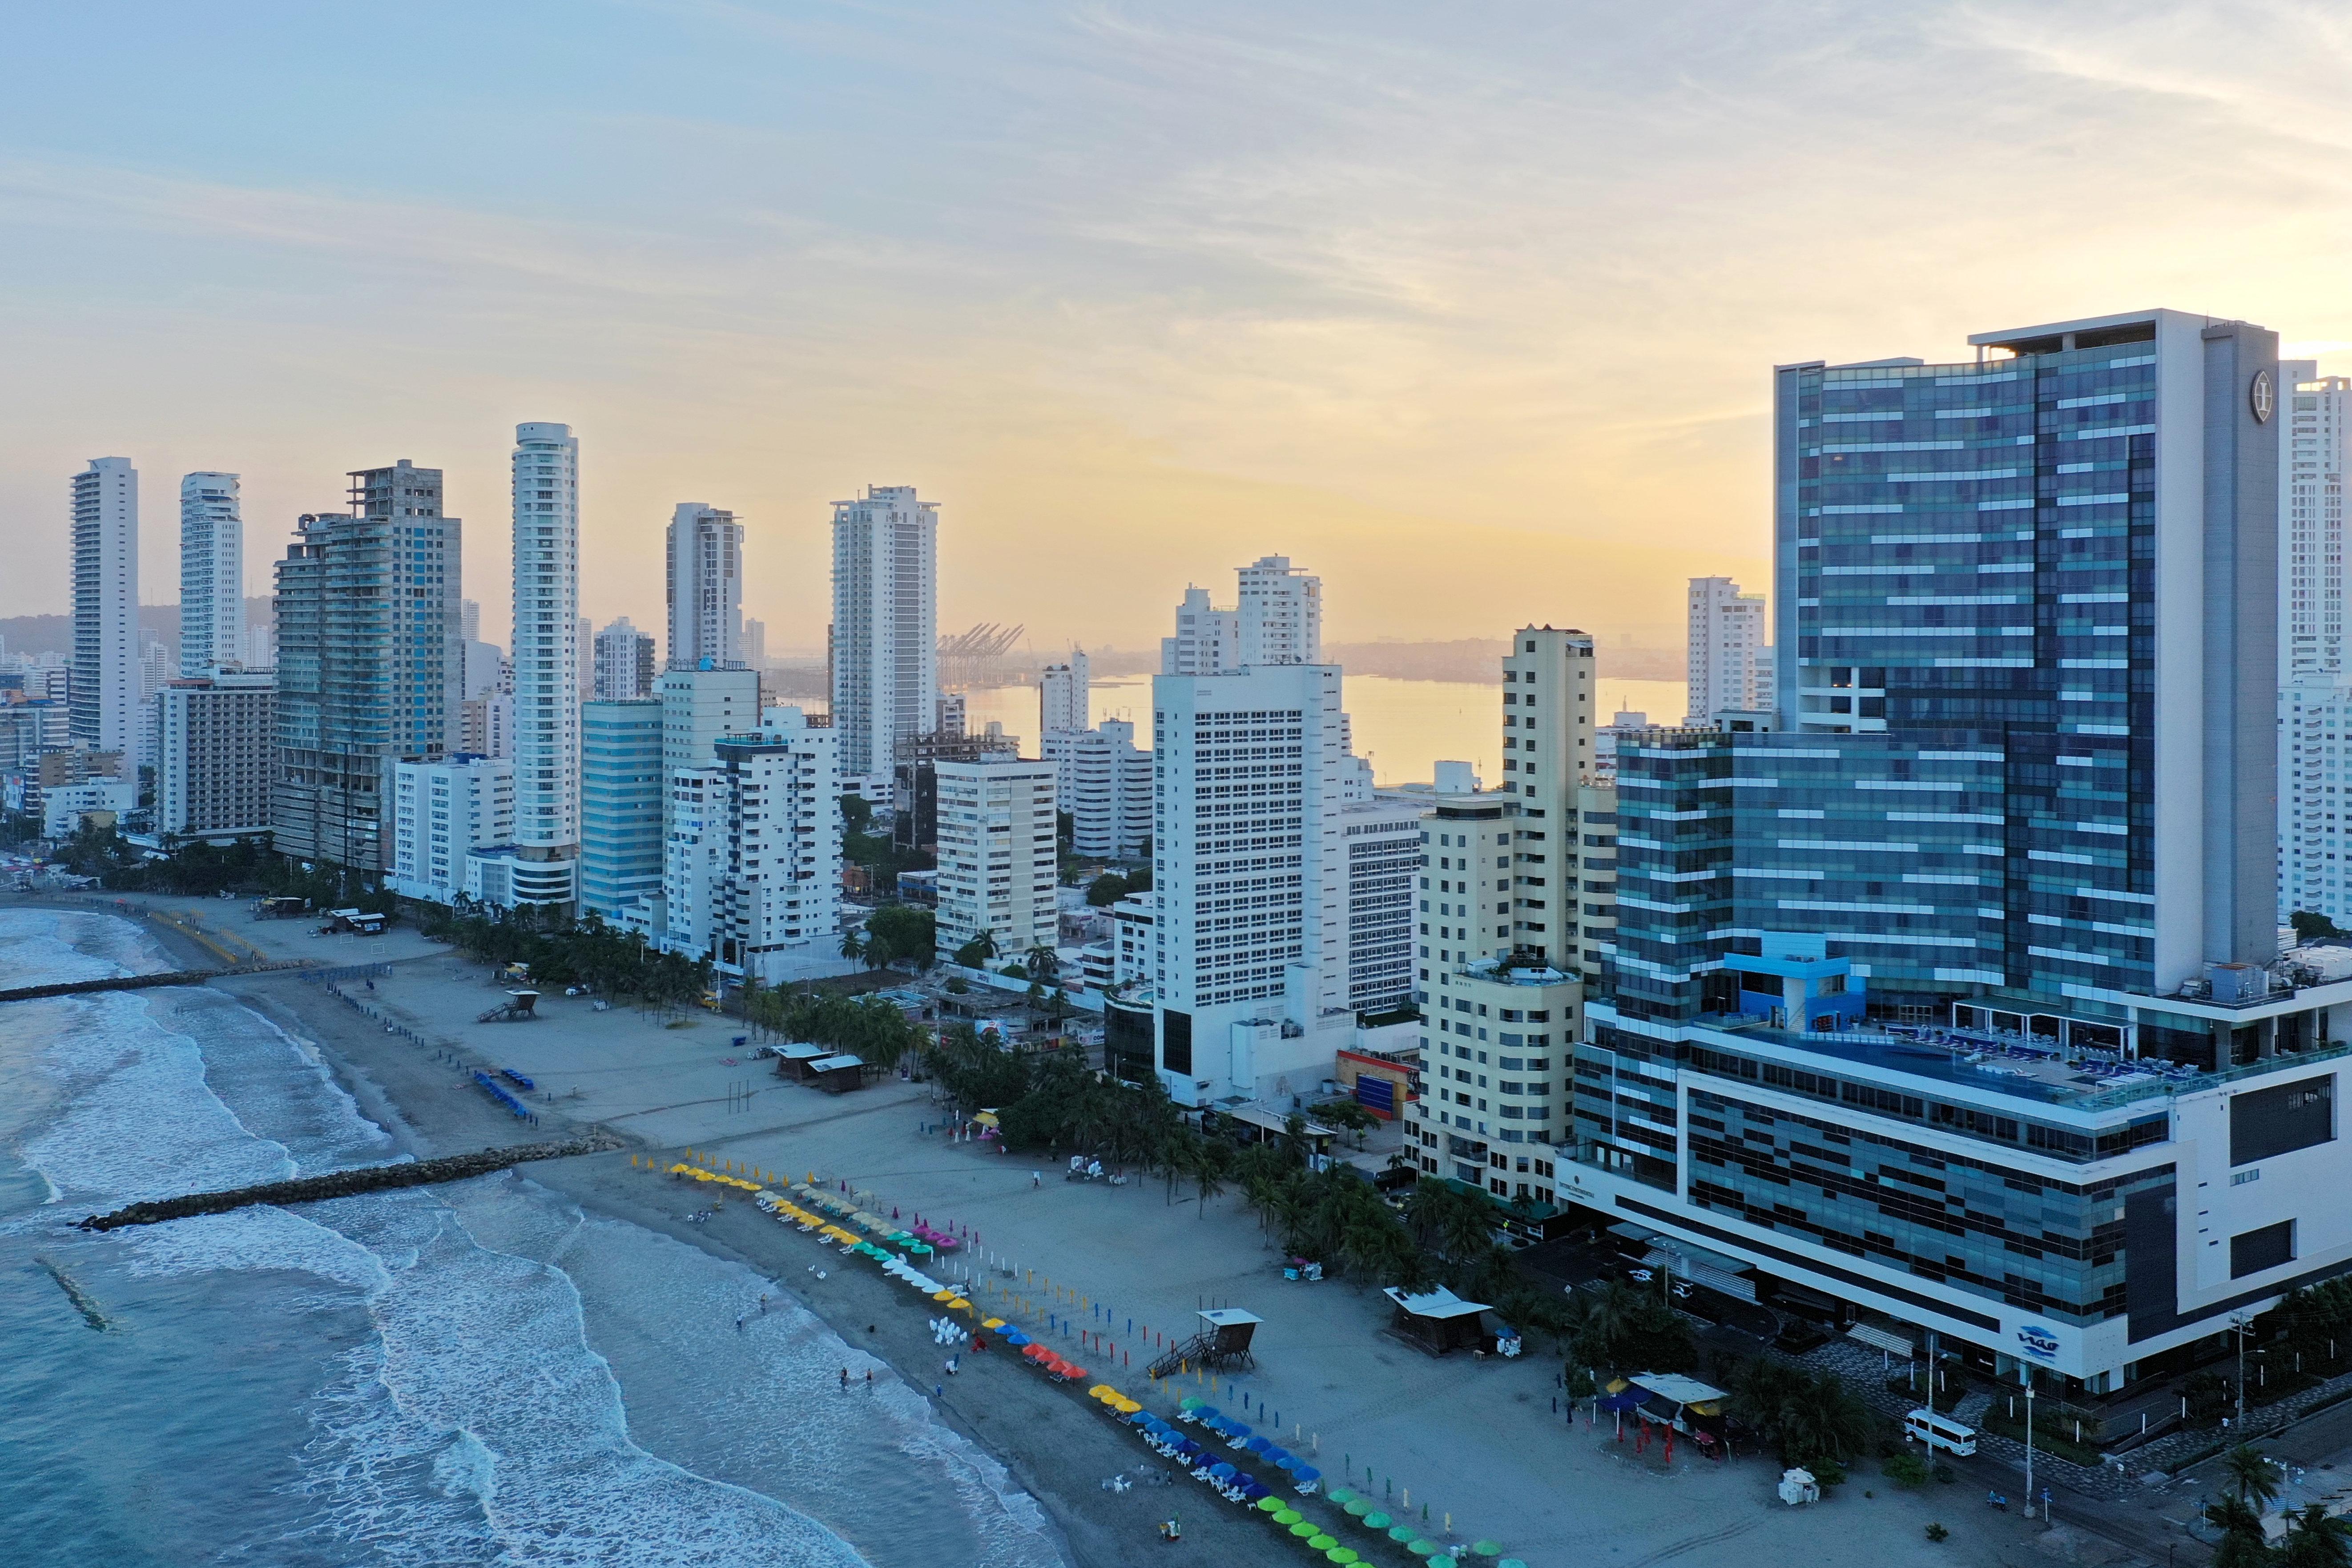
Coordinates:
(763, 1303)
(869, 1380)
(1036, 1179)
(844, 1380)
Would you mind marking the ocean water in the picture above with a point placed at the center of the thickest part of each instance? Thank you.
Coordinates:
(473, 1374)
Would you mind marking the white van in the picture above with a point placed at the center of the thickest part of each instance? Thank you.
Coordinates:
(1939, 1432)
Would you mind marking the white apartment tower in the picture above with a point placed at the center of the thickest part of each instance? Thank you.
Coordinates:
(212, 574)
(1250, 923)
(996, 853)
(1207, 640)
(1104, 780)
(706, 588)
(442, 812)
(2314, 451)
(623, 663)
(106, 605)
(1281, 614)
(1730, 665)
(751, 864)
(885, 625)
(1063, 696)
(547, 656)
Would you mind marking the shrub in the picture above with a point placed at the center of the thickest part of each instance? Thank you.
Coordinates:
(1907, 1470)
(1937, 1532)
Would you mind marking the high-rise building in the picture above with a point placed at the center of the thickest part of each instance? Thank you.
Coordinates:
(1104, 782)
(106, 605)
(1987, 918)
(1249, 887)
(485, 724)
(1379, 852)
(547, 653)
(486, 670)
(755, 643)
(368, 667)
(583, 639)
(625, 663)
(885, 625)
(469, 620)
(752, 857)
(213, 756)
(1565, 849)
(2314, 453)
(212, 574)
(1280, 613)
(1730, 664)
(2315, 798)
(442, 812)
(996, 853)
(1063, 696)
(620, 798)
(706, 588)
(1207, 640)
(698, 706)
(260, 646)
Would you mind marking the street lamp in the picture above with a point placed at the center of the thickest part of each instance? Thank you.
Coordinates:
(2029, 1440)
(2240, 1327)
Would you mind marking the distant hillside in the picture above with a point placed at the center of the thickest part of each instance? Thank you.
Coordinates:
(54, 634)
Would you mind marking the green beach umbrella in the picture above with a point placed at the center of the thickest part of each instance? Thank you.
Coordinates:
(1360, 1506)
(1269, 1505)
(1510, 1562)
(1339, 1494)
(1440, 1561)
(1421, 1547)
(1377, 1522)
(1318, 1541)
(1403, 1532)
(1487, 1548)
(1342, 1556)
(1288, 1516)
(1305, 1527)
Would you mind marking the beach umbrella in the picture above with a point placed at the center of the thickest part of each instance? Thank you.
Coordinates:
(1223, 1472)
(1439, 1561)
(1401, 1532)
(1283, 1461)
(1377, 1521)
(1305, 1473)
(1318, 1541)
(1357, 1506)
(1015, 1337)
(1258, 1444)
(991, 1322)
(1202, 1412)
(1421, 1548)
(1510, 1562)
(1305, 1528)
(1342, 1556)
(1269, 1504)
(1487, 1548)
(1191, 1402)
(1287, 1517)
(1237, 1431)
(1069, 1371)
(1339, 1494)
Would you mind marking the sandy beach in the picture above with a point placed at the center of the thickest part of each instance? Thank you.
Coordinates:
(1482, 1447)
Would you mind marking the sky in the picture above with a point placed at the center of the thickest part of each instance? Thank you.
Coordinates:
(1471, 309)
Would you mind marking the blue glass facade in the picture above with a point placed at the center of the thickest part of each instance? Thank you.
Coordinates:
(1907, 994)
(620, 802)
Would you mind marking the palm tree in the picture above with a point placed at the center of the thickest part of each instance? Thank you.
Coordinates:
(851, 946)
(2241, 1544)
(2314, 1539)
(2251, 1476)
(1212, 1159)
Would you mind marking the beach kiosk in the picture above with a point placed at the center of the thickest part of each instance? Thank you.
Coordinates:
(794, 1061)
(1223, 1343)
(1439, 1320)
(838, 1074)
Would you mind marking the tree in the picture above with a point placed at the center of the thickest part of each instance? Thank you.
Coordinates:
(1906, 1469)
(2310, 926)
(2254, 1479)
(976, 952)
(1106, 890)
(901, 933)
(856, 813)
(2241, 1544)
(2314, 1539)
(1042, 964)
(851, 946)
(1212, 1160)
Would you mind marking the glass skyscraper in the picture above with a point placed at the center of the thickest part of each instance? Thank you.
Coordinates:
(1957, 993)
